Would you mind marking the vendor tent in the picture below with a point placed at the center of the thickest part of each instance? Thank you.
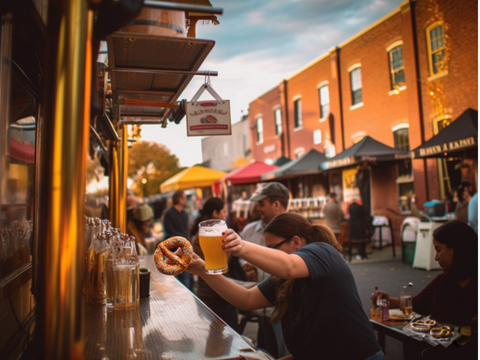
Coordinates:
(305, 165)
(460, 136)
(248, 174)
(368, 149)
(193, 177)
(282, 160)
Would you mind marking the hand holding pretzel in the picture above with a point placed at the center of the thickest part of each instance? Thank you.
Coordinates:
(174, 264)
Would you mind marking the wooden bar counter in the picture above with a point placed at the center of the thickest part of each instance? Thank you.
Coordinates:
(170, 324)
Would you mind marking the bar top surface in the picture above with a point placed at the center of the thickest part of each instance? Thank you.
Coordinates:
(170, 324)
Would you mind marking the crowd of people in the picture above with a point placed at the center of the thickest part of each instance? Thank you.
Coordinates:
(303, 280)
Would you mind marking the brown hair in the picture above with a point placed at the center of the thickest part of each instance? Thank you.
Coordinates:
(177, 195)
(288, 225)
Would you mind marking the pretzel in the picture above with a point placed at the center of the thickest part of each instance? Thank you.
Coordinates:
(177, 264)
(423, 325)
(443, 331)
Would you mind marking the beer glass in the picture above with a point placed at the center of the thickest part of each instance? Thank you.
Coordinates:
(406, 305)
(126, 286)
(210, 237)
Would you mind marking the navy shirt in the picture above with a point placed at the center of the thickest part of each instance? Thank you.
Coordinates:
(175, 223)
(325, 317)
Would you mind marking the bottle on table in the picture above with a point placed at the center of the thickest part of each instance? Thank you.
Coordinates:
(406, 297)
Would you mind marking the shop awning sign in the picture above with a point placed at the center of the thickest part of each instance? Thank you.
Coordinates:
(210, 117)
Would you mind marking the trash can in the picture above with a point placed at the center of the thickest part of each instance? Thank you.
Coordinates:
(408, 235)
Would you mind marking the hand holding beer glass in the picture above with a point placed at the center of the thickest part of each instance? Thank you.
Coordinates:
(211, 242)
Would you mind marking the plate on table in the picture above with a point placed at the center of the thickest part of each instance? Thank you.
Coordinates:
(398, 315)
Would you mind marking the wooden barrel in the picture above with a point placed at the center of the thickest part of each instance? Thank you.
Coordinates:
(158, 22)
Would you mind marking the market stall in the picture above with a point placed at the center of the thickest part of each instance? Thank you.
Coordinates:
(458, 138)
(193, 177)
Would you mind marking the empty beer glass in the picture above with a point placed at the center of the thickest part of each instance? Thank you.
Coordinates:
(211, 241)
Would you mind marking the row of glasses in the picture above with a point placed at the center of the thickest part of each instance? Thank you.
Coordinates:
(114, 267)
(15, 246)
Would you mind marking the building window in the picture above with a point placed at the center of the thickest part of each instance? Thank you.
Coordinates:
(401, 140)
(436, 49)
(297, 105)
(317, 137)
(356, 85)
(299, 152)
(259, 125)
(324, 98)
(225, 149)
(404, 171)
(397, 76)
(278, 121)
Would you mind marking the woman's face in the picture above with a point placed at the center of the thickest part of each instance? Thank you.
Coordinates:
(222, 214)
(280, 243)
(443, 255)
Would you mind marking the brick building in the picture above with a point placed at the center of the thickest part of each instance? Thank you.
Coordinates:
(400, 81)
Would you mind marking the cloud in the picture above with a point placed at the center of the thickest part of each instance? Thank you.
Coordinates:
(260, 43)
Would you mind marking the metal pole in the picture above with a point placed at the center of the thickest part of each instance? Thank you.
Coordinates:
(63, 157)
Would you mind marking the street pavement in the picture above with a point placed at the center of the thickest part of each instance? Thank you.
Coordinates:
(381, 269)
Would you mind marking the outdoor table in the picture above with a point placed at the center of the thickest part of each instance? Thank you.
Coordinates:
(412, 346)
(172, 323)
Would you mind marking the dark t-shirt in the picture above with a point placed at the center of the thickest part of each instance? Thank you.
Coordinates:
(175, 223)
(447, 301)
(325, 318)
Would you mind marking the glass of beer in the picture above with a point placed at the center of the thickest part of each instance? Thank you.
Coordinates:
(406, 305)
(210, 237)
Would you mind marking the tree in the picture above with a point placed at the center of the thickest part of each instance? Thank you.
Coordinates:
(150, 164)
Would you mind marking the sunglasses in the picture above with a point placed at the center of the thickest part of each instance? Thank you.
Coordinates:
(280, 243)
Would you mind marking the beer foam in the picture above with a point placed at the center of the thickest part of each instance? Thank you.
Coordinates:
(212, 227)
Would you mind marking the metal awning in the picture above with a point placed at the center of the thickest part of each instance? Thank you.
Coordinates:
(149, 72)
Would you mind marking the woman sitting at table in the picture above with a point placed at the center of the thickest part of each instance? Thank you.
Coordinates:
(311, 287)
(452, 297)
(214, 208)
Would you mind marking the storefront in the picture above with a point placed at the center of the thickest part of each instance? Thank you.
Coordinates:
(455, 149)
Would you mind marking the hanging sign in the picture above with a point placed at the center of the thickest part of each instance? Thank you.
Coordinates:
(210, 117)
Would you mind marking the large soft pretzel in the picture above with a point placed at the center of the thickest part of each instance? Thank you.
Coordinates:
(443, 331)
(423, 325)
(178, 264)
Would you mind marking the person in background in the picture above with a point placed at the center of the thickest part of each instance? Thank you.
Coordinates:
(214, 208)
(333, 214)
(175, 223)
(311, 287)
(473, 213)
(464, 196)
(132, 202)
(359, 227)
(271, 201)
(140, 226)
(452, 296)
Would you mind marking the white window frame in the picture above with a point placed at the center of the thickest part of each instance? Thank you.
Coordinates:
(259, 129)
(321, 100)
(354, 83)
(277, 115)
(297, 113)
(317, 136)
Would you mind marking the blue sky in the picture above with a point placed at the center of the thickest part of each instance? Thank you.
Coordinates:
(258, 43)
